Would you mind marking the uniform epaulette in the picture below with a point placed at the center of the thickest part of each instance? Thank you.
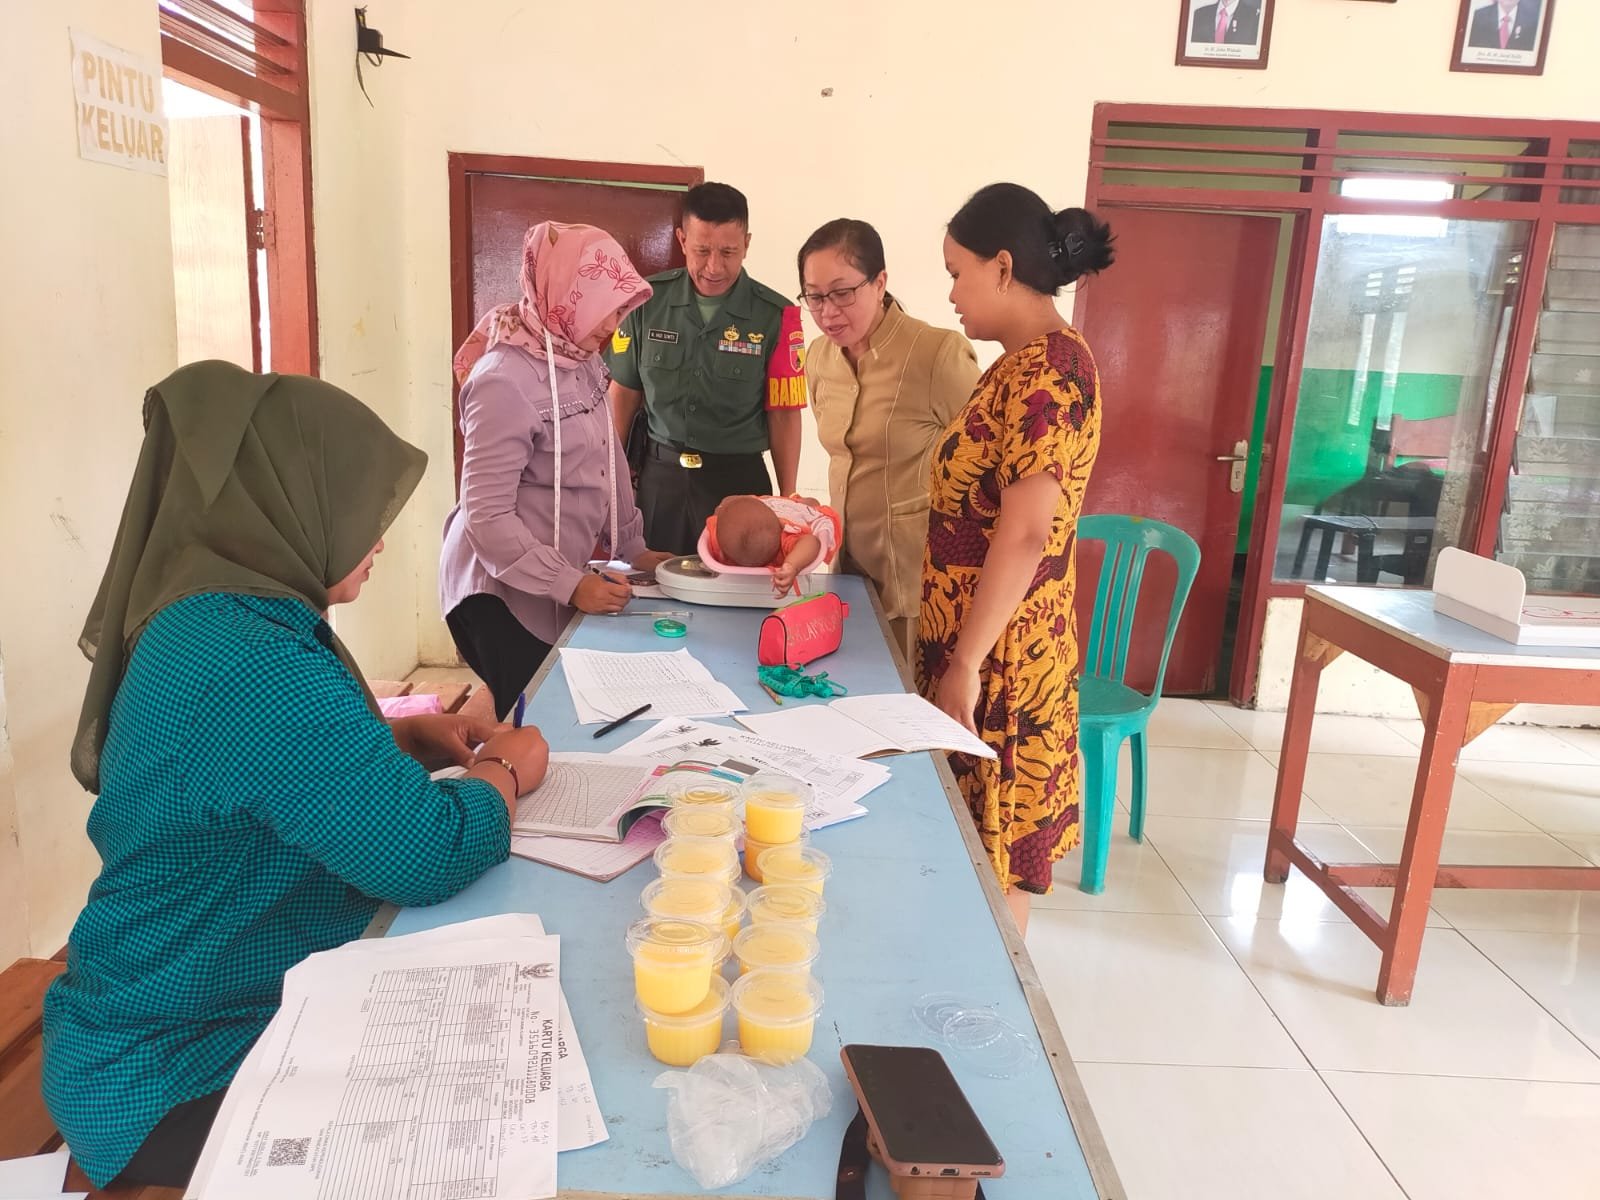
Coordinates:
(666, 276)
(772, 296)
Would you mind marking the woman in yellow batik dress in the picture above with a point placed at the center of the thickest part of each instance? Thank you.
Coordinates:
(998, 646)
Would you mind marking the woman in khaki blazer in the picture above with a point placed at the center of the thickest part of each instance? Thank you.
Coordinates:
(883, 387)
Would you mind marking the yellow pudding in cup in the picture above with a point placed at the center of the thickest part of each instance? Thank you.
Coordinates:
(777, 1013)
(683, 1039)
(733, 915)
(687, 898)
(795, 866)
(711, 858)
(701, 821)
(787, 905)
(673, 962)
(775, 808)
(754, 848)
(706, 792)
(776, 946)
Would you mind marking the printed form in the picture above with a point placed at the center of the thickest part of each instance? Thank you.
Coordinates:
(419, 1071)
(607, 684)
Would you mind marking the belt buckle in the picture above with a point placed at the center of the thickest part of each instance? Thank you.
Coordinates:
(689, 460)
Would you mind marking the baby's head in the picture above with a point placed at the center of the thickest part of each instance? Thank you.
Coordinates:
(748, 532)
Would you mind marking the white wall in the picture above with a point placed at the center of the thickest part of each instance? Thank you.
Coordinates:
(362, 254)
(86, 324)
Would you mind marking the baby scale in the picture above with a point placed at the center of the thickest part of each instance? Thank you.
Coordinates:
(701, 579)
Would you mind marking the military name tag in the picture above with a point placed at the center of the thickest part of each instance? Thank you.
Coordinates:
(662, 335)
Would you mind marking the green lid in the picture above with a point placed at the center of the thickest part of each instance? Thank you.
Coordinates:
(668, 628)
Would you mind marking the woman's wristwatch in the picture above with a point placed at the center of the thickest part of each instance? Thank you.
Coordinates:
(505, 764)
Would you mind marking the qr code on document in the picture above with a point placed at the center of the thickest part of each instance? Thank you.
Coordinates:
(288, 1152)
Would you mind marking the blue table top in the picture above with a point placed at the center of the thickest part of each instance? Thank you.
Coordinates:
(906, 916)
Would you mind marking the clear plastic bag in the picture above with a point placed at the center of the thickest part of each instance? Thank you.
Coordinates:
(728, 1114)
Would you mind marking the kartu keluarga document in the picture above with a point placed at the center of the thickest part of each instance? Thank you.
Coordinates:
(421, 1072)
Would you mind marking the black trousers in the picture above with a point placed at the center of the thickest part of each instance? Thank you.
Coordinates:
(168, 1156)
(676, 500)
(497, 646)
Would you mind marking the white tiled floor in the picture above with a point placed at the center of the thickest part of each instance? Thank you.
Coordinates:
(1226, 1028)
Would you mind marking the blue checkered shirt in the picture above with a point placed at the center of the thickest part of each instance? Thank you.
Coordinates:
(253, 810)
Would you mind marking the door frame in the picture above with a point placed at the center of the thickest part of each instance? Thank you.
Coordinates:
(1316, 199)
(461, 165)
(275, 89)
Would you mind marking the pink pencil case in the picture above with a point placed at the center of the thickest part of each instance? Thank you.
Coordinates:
(802, 631)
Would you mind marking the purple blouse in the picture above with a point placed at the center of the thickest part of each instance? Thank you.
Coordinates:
(500, 538)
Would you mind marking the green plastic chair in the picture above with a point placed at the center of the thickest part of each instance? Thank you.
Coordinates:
(1109, 710)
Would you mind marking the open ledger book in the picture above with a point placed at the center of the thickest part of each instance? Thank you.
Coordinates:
(859, 726)
(599, 797)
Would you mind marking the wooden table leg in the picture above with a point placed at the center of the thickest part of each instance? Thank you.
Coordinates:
(1315, 653)
(1446, 717)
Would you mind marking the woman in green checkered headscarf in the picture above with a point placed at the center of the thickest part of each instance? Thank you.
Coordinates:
(254, 807)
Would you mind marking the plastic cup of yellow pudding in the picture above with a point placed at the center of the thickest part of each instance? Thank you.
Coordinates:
(706, 792)
(795, 866)
(775, 808)
(787, 905)
(702, 821)
(733, 915)
(713, 858)
(683, 1039)
(673, 962)
(777, 1013)
(755, 848)
(687, 898)
(776, 946)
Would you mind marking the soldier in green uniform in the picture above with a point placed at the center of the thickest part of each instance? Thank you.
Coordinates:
(718, 362)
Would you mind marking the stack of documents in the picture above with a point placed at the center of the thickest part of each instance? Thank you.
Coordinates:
(837, 783)
(606, 685)
(442, 1063)
(897, 723)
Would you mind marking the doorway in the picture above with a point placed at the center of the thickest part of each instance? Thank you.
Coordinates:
(1182, 384)
(495, 198)
(214, 153)
(240, 181)
(1411, 397)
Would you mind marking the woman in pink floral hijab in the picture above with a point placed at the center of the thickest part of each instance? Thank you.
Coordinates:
(576, 282)
(541, 486)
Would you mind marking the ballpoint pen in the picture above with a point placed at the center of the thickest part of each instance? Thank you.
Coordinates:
(622, 720)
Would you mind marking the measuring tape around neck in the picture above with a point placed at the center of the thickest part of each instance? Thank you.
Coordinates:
(611, 448)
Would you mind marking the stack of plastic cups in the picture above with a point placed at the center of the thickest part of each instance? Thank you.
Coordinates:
(776, 998)
(774, 815)
(692, 914)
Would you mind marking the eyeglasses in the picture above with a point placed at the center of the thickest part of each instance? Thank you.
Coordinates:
(840, 297)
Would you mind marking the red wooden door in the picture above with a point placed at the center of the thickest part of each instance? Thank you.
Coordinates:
(1177, 327)
(493, 201)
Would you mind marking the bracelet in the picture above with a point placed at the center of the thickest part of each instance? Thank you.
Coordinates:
(516, 781)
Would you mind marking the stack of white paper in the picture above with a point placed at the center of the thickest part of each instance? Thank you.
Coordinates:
(38, 1177)
(440, 1063)
(837, 783)
(607, 685)
(894, 723)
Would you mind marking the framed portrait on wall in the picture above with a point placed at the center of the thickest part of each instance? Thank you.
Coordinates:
(1224, 33)
(1507, 36)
